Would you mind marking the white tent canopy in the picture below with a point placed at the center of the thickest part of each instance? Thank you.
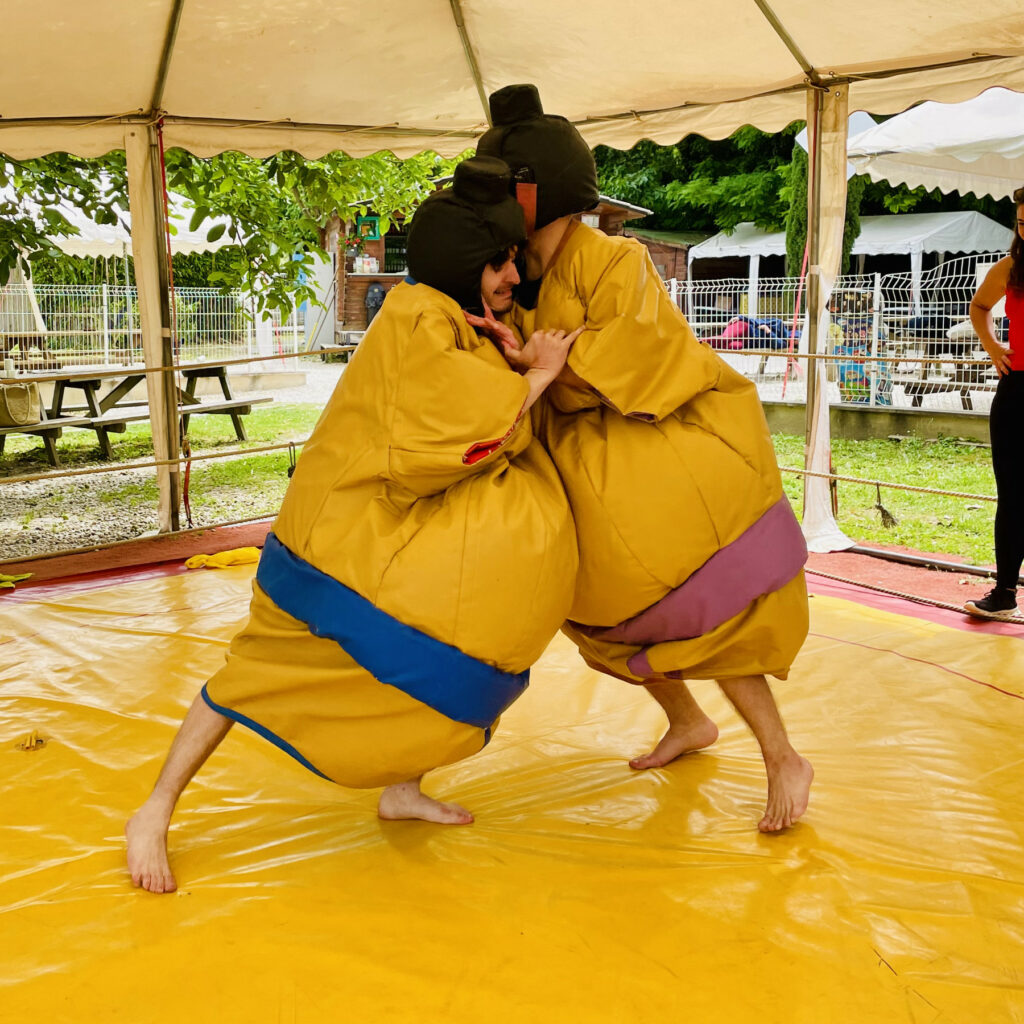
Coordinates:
(912, 234)
(975, 146)
(263, 76)
(115, 239)
(965, 231)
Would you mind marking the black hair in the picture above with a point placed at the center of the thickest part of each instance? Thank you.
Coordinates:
(502, 256)
(1016, 278)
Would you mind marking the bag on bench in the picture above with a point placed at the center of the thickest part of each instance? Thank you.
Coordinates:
(19, 405)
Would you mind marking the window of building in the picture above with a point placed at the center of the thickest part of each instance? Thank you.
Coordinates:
(394, 252)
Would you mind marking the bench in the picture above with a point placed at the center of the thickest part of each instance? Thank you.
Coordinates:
(236, 408)
(916, 389)
(48, 429)
(115, 421)
(110, 413)
(106, 413)
(344, 350)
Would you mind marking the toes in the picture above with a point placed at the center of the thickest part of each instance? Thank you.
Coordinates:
(654, 759)
(455, 815)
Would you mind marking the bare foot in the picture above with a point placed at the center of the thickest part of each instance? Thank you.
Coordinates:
(405, 800)
(150, 869)
(680, 739)
(789, 788)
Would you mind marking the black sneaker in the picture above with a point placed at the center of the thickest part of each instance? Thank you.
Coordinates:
(998, 603)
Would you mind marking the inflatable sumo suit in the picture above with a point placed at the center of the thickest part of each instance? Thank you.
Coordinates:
(424, 555)
(691, 560)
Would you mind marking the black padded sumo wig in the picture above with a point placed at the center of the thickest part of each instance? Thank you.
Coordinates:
(455, 233)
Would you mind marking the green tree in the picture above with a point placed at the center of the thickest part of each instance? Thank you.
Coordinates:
(796, 219)
(880, 197)
(703, 184)
(706, 185)
(284, 210)
(31, 193)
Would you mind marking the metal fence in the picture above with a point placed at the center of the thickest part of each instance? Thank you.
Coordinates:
(50, 326)
(899, 340)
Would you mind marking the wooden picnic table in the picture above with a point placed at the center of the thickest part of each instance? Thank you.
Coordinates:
(110, 412)
(344, 350)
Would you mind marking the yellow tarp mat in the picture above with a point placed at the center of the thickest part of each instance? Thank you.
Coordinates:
(584, 892)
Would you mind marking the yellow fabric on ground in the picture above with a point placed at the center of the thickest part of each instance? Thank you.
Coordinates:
(222, 559)
(583, 892)
(7, 581)
(663, 467)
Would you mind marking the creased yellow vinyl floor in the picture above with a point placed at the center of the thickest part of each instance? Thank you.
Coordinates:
(584, 892)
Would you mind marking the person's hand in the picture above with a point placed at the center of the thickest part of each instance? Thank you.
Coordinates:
(545, 352)
(999, 355)
(494, 329)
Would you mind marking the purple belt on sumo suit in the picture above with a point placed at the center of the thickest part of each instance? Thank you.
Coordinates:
(763, 559)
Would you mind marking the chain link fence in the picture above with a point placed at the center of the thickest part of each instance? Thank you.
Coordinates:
(46, 327)
(899, 340)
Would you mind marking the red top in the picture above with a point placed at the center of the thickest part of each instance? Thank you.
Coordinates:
(1015, 317)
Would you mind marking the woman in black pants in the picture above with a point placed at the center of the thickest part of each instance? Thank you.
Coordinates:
(1006, 421)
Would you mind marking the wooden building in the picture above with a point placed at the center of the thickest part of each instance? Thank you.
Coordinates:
(669, 249)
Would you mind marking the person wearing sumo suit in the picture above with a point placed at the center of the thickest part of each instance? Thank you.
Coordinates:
(691, 560)
(386, 634)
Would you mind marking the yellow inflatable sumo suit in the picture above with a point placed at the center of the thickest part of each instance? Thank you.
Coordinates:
(423, 558)
(690, 556)
(691, 560)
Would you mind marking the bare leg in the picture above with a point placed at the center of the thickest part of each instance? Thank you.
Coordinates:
(407, 800)
(789, 774)
(688, 727)
(198, 737)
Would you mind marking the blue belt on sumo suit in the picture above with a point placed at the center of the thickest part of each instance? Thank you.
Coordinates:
(434, 673)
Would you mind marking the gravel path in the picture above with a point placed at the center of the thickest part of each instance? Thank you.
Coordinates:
(45, 516)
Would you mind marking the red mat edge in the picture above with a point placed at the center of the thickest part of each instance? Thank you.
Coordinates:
(913, 609)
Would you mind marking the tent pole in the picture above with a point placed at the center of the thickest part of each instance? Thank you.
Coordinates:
(152, 279)
(474, 67)
(814, 104)
(753, 285)
(916, 263)
(827, 128)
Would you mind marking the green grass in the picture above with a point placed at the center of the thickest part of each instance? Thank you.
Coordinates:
(254, 485)
(241, 488)
(926, 522)
(79, 448)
